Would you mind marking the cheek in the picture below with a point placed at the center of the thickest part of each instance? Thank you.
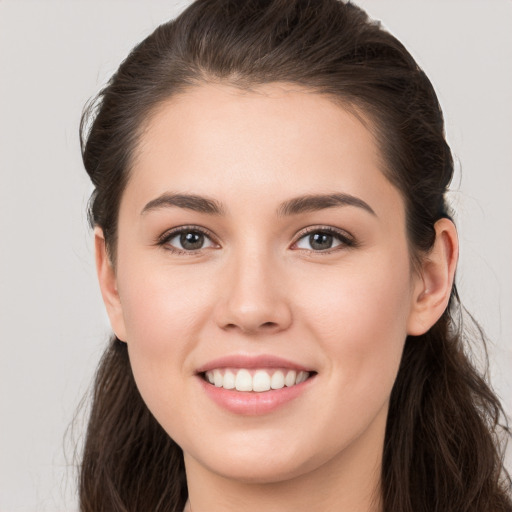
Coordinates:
(161, 308)
(359, 317)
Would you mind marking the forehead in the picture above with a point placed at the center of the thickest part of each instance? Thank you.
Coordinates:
(276, 140)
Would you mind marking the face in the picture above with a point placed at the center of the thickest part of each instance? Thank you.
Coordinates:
(260, 244)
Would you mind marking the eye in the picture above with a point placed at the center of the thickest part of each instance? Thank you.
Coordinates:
(186, 240)
(324, 239)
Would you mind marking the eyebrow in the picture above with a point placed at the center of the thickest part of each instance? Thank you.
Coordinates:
(315, 202)
(294, 206)
(188, 201)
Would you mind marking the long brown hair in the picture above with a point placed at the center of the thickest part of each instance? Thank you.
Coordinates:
(442, 447)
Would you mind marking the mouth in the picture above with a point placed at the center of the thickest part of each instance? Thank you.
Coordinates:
(257, 380)
(254, 385)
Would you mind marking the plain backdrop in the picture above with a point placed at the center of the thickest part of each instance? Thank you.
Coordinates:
(55, 55)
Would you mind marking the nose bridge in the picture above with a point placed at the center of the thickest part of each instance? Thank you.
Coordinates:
(253, 269)
(254, 298)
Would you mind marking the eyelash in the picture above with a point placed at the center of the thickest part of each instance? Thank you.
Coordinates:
(164, 239)
(346, 240)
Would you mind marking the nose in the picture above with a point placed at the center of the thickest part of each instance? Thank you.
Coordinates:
(253, 298)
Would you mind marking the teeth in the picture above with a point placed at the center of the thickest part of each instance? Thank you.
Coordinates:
(229, 381)
(243, 381)
(290, 378)
(217, 378)
(277, 381)
(301, 377)
(261, 381)
(257, 380)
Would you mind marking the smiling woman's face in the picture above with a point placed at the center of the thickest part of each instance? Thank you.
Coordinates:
(290, 256)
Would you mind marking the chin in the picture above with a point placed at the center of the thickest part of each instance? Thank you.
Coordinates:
(260, 463)
(261, 471)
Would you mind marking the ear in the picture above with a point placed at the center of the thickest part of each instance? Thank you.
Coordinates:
(435, 281)
(108, 285)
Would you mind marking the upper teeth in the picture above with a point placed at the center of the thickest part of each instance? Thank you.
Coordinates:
(255, 380)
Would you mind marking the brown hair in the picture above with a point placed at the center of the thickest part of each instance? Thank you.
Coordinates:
(442, 451)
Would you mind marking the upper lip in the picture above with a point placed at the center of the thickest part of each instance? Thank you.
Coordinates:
(246, 361)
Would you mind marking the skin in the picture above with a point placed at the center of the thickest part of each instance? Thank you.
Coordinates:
(259, 287)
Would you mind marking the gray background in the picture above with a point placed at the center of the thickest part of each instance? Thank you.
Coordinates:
(55, 55)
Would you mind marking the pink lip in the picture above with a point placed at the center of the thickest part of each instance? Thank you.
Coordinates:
(244, 361)
(253, 403)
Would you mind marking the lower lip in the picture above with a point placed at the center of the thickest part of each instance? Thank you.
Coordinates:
(254, 403)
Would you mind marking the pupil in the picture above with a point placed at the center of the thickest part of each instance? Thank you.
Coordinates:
(320, 241)
(192, 240)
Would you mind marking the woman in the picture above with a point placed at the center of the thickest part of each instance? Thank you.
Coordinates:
(277, 260)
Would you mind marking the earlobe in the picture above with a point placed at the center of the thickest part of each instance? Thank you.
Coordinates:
(435, 282)
(108, 285)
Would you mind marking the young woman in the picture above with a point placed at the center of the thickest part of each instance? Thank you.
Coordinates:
(277, 260)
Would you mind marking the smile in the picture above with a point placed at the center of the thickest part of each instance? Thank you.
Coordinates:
(250, 385)
(257, 380)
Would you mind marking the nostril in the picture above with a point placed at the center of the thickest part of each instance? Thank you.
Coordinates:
(266, 325)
